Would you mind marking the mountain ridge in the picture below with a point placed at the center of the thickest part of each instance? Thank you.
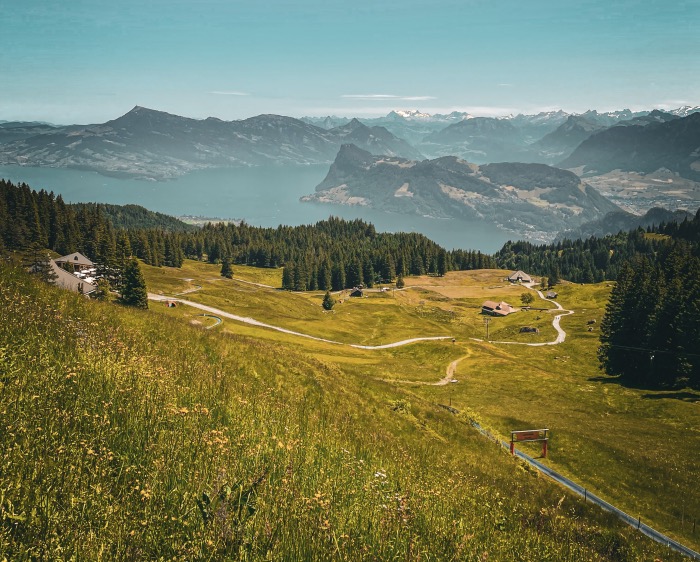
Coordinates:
(673, 145)
(150, 144)
(533, 199)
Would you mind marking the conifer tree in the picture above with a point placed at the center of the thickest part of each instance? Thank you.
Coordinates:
(288, 277)
(134, 291)
(442, 263)
(39, 264)
(328, 301)
(226, 270)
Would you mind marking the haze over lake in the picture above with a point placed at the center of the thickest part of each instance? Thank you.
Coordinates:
(262, 196)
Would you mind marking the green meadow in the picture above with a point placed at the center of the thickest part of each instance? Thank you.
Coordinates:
(141, 435)
(636, 448)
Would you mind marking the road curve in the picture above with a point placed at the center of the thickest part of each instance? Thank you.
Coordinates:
(254, 322)
(561, 334)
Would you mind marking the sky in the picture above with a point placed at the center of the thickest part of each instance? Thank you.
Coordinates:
(88, 61)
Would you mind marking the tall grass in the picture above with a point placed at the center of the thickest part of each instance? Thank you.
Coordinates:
(126, 435)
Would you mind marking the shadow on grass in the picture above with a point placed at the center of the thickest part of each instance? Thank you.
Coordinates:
(656, 393)
(685, 396)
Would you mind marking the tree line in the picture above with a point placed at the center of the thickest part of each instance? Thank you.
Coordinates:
(582, 261)
(650, 334)
(332, 254)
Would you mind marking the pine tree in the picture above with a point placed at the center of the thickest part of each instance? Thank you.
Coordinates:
(400, 284)
(442, 263)
(134, 291)
(39, 263)
(226, 270)
(353, 277)
(288, 277)
(102, 293)
(328, 301)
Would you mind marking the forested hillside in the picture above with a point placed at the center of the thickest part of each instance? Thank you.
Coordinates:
(593, 259)
(330, 254)
(650, 334)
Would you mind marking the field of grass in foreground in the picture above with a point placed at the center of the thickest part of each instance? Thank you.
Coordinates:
(128, 435)
(636, 448)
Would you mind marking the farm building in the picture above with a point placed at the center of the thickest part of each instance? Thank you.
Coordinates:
(74, 262)
(356, 292)
(552, 294)
(519, 277)
(493, 308)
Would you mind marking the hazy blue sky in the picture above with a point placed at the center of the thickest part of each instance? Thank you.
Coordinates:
(92, 60)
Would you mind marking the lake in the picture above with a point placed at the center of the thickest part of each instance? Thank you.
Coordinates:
(263, 196)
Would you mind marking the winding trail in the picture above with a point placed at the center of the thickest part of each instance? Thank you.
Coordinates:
(254, 322)
(444, 381)
(217, 318)
(192, 290)
(561, 334)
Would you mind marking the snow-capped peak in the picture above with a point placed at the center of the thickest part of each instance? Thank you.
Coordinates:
(685, 110)
(411, 114)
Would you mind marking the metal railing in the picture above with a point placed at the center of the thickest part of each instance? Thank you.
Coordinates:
(588, 496)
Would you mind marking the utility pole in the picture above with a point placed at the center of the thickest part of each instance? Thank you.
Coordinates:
(486, 321)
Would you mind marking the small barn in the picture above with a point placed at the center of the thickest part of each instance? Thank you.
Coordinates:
(552, 294)
(493, 308)
(357, 292)
(529, 330)
(519, 277)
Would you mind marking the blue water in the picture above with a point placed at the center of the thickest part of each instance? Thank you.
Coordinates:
(266, 196)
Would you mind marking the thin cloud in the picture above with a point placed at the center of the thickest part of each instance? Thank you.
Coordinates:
(385, 97)
(228, 93)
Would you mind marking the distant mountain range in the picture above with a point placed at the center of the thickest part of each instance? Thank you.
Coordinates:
(534, 200)
(673, 144)
(150, 144)
(614, 150)
(547, 137)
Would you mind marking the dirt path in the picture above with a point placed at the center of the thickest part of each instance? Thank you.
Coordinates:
(450, 372)
(192, 290)
(444, 381)
(561, 334)
(256, 284)
(254, 322)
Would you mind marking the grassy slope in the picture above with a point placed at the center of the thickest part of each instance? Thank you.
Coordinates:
(615, 440)
(637, 448)
(114, 422)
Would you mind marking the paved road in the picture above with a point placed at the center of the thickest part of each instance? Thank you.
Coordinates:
(588, 496)
(254, 322)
